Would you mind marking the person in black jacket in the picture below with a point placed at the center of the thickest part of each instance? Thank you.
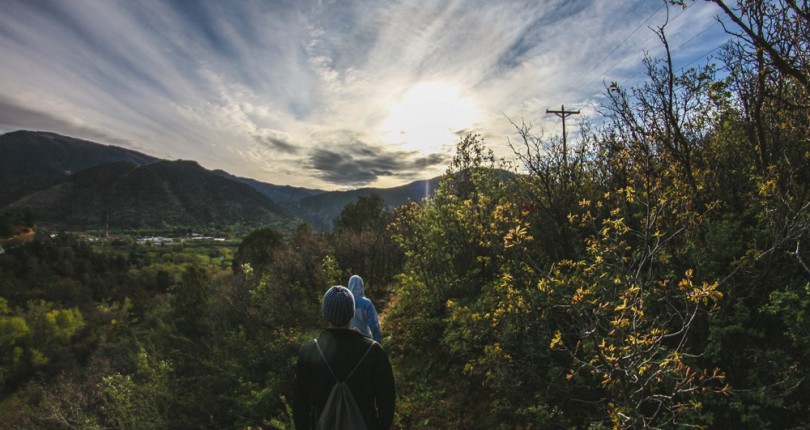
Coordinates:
(372, 383)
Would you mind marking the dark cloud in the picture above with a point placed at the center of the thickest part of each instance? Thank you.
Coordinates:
(430, 160)
(277, 143)
(341, 168)
(14, 116)
(355, 163)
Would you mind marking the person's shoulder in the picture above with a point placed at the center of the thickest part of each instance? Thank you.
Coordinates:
(377, 356)
(307, 346)
(373, 346)
(310, 346)
(366, 341)
(357, 339)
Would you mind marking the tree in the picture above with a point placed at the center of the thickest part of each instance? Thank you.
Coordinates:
(366, 212)
(13, 332)
(190, 301)
(142, 400)
(777, 29)
(257, 249)
(363, 245)
(452, 244)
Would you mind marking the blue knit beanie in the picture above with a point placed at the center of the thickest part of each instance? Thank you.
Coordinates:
(338, 306)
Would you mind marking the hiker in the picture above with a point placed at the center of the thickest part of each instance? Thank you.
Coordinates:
(365, 316)
(339, 353)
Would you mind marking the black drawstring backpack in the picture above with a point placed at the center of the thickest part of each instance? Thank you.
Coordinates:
(341, 411)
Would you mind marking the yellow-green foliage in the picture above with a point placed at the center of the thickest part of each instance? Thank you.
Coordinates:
(141, 400)
(619, 284)
(13, 332)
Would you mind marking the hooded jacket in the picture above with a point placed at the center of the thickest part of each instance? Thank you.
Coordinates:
(365, 316)
(371, 384)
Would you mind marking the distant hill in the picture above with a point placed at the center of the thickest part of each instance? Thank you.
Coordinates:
(320, 210)
(161, 194)
(73, 183)
(77, 184)
(30, 160)
(282, 194)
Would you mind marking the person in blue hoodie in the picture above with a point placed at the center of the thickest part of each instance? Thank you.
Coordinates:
(365, 316)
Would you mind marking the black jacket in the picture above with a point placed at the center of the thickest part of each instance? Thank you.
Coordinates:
(372, 384)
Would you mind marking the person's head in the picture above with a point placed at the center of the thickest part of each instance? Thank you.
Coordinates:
(338, 306)
(356, 286)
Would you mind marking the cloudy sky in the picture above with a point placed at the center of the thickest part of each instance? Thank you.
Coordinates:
(324, 94)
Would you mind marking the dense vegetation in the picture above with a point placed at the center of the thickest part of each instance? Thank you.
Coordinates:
(652, 274)
(198, 334)
(655, 276)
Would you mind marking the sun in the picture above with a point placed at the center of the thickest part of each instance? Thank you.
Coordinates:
(428, 116)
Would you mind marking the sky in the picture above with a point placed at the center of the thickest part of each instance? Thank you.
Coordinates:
(326, 94)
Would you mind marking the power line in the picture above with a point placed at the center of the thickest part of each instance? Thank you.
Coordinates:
(706, 54)
(625, 40)
(632, 50)
(703, 56)
(687, 64)
(590, 70)
(697, 35)
(640, 45)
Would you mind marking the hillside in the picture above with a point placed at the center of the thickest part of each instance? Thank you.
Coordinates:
(31, 161)
(281, 194)
(160, 194)
(319, 210)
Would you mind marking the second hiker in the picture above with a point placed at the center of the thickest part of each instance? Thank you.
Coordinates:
(365, 316)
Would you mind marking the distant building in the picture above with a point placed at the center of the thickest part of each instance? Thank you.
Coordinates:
(156, 240)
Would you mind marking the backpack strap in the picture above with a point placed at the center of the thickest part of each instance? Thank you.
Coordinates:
(361, 360)
(355, 366)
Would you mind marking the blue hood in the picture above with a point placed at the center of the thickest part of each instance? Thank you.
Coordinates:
(356, 286)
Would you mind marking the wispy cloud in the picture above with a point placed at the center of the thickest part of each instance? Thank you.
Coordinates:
(297, 92)
(16, 116)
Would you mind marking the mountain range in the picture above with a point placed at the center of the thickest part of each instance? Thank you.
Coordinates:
(70, 183)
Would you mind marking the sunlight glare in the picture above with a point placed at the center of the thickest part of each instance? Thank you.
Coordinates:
(428, 116)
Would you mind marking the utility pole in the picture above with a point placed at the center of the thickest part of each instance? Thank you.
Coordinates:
(562, 113)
